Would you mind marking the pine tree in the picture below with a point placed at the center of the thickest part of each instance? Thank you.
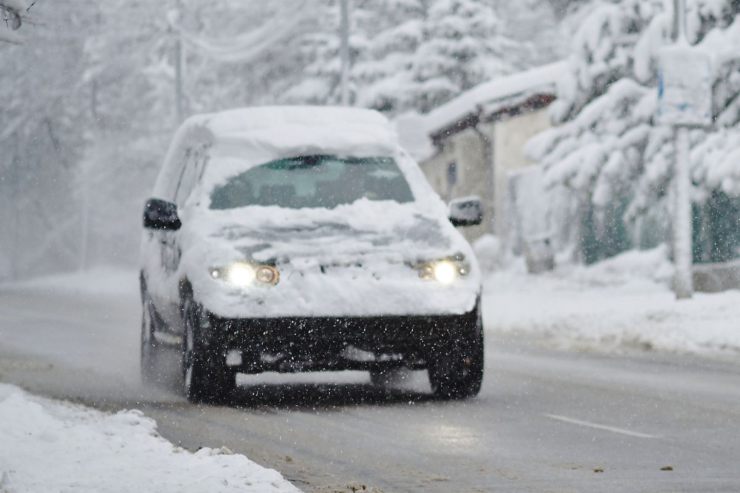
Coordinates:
(385, 73)
(463, 46)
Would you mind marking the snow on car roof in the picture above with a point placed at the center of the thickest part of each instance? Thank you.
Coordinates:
(278, 131)
(246, 137)
(246, 119)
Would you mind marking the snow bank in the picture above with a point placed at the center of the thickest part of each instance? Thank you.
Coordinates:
(54, 446)
(634, 266)
(618, 304)
(490, 253)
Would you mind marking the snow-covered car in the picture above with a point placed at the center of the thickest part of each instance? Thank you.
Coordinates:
(305, 239)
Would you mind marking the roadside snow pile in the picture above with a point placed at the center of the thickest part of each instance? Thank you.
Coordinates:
(490, 253)
(633, 266)
(621, 303)
(55, 446)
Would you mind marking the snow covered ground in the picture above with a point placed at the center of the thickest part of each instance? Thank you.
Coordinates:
(619, 304)
(97, 282)
(55, 446)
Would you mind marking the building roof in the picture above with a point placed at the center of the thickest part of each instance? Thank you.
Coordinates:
(493, 96)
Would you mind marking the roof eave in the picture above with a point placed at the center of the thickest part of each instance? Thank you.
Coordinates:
(534, 102)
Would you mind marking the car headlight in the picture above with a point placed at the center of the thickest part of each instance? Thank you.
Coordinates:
(244, 274)
(445, 271)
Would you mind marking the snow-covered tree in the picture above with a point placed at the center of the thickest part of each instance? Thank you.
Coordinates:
(409, 54)
(319, 81)
(385, 72)
(535, 25)
(41, 137)
(127, 75)
(607, 146)
(463, 46)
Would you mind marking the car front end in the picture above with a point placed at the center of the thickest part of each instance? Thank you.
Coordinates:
(330, 294)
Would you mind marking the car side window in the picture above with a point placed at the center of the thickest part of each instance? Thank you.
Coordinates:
(176, 176)
(202, 162)
(189, 176)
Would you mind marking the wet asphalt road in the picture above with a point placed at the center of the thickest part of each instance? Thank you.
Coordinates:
(546, 420)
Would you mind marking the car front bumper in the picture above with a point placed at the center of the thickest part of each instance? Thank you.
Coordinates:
(293, 344)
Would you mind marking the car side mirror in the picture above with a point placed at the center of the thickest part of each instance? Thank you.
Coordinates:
(467, 211)
(162, 215)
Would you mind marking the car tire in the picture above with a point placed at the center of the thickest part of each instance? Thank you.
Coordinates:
(149, 350)
(206, 378)
(456, 367)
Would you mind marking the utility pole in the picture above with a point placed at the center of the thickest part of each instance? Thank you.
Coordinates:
(684, 102)
(179, 61)
(344, 50)
(682, 234)
(85, 233)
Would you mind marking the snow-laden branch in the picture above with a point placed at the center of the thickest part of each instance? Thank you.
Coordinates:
(11, 12)
(16, 5)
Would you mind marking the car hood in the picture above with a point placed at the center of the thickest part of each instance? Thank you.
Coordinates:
(355, 260)
(363, 231)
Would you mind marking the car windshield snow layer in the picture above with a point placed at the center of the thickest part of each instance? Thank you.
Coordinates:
(318, 181)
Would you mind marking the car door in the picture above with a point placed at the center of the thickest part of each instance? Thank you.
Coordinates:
(171, 247)
(166, 250)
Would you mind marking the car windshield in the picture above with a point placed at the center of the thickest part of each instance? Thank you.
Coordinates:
(319, 181)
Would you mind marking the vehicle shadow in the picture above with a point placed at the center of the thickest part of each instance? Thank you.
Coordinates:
(321, 396)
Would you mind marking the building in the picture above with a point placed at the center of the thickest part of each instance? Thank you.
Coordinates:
(479, 139)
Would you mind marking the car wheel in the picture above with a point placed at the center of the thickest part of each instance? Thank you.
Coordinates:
(149, 349)
(456, 368)
(206, 378)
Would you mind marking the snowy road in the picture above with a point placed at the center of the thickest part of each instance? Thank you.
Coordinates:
(545, 420)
